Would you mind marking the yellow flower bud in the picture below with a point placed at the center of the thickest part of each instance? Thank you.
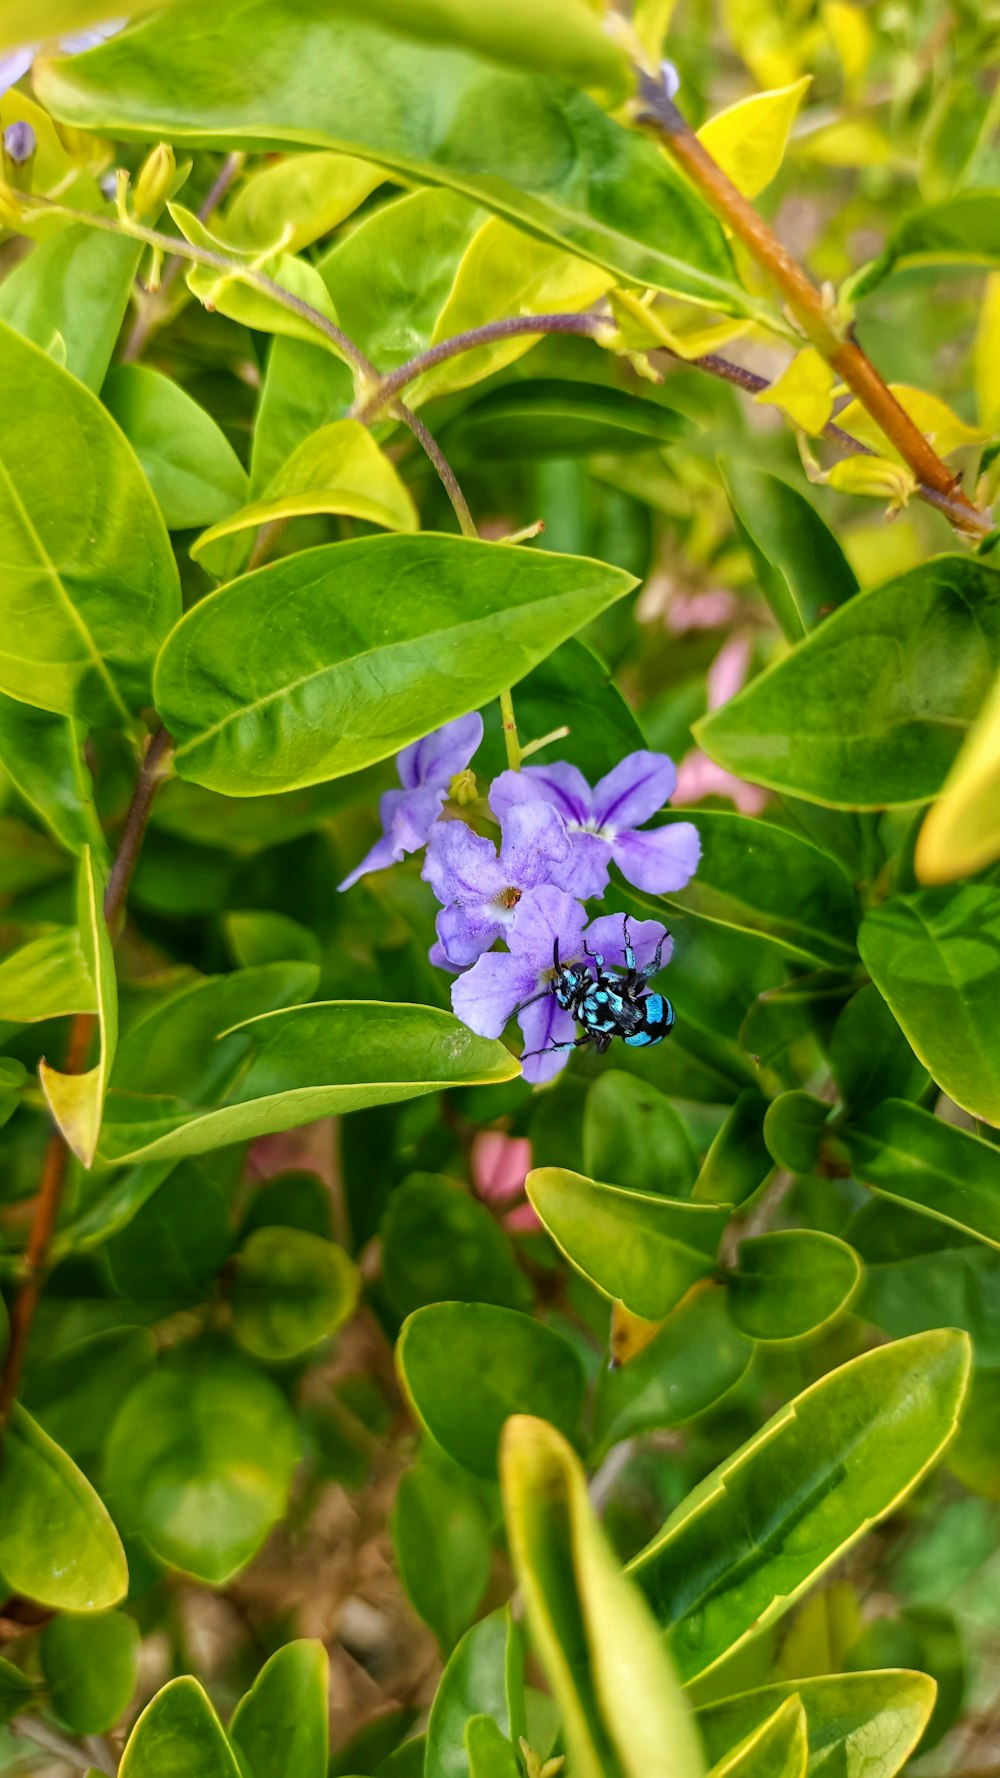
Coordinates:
(152, 187)
(462, 789)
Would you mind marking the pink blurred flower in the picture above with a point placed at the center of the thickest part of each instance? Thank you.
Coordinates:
(500, 1165)
(697, 775)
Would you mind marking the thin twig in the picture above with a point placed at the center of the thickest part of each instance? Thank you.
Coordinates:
(85, 1759)
(449, 480)
(154, 308)
(658, 113)
(151, 774)
(513, 327)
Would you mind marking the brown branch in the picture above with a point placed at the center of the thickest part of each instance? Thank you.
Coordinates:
(154, 308)
(513, 327)
(449, 480)
(659, 114)
(35, 1264)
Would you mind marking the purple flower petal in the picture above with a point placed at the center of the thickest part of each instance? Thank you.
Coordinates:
(461, 865)
(464, 933)
(534, 844)
(544, 1024)
(606, 935)
(585, 871)
(434, 760)
(382, 854)
(661, 860)
(562, 785)
(412, 815)
(81, 40)
(487, 994)
(541, 917)
(439, 957)
(15, 64)
(636, 789)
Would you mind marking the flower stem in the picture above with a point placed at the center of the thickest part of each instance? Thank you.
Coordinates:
(510, 740)
(513, 327)
(154, 306)
(658, 113)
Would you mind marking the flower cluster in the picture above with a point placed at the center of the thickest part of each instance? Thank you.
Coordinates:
(558, 839)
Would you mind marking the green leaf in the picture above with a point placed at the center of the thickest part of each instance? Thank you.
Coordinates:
(921, 1273)
(924, 1637)
(282, 1726)
(920, 1161)
(934, 957)
(558, 418)
(794, 1129)
(46, 979)
(870, 1057)
(861, 1725)
(90, 588)
(467, 1366)
(340, 468)
(778, 1749)
(283, 1069)
(179, 1735)
(189, 463)
(25, 21)
(444, 1552)
(962, 832)
(42, 754)
(90, 1665)
(759, 878)
(69, 298)
(738, 1161)
(962, 230)
(76, 1393)
(76, 1101)
(200, 1460)
(229, 293)
(798, 563)
(295, 200)
(263, 937)
(16, 1691)
(57, 1543)
(791, 1283)
(739, 1551)
(490, 1753)
(556, 694)
(178, 1239)
(633, 1136)
(475, 1682)
(641, 1250)
(695, 1358)
(291, 1290)
(555, 162)
(870, 710)
(361, 647)
(439, 1244)
(622, 1709)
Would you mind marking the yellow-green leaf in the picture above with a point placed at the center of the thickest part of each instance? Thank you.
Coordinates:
(961, 834)
(878, 478)
(779, 1748)
(804, 391)
(340, 468)
(623, 1712)
(46, 979)
(76, 1101)
(749, 138)
(232, 292)
(682, 327)
(988, 356)
(945, 431)
(292, 202)
(852, 36)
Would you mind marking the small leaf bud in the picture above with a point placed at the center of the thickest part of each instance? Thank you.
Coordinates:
(152, 187)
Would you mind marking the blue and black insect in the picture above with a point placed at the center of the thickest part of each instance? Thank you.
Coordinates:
(610, 1002)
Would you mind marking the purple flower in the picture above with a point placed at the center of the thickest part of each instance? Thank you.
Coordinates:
(426, 769)
(18, 61)
(19, 143)
(501, 981)
(603, 823)
(481, 891)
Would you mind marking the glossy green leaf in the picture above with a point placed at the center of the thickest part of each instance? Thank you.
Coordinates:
(475, 1682)
(964, 229)
(340, 468)
(641, 1250)
(697, 1356)
(622, 1709)
(256, 936)
(922, 1273)
(778, 1749)
(871, 709)
(69, 298)
(16, 1691)
(75, 1393)
(764, 879)
(467, 1366)
(798, 563)
(925, 1164)
(861, 1725)
(189, 463)
(444, 1552)
(440, 1245)
(739, 1160)
(794, 1128)
(360, 647)
(756, 1532)
(24, 21)
(558, 418)
(290, 1290)
(571, 689)
(77, 1100)
(229, 293)
(178, 1239)
(199, 1461)
(791, 1283)
(281, 1728)
(42, 754)
(293, 201)
(924, 1637)
(633, 1137)
(556, 162)
(57, 1543)
(179, 1735)
(47, 978)
(934, 957)
(870, 1057)
(90, 587)
(90, 1664)
(280, 1070)
(490, 1753)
